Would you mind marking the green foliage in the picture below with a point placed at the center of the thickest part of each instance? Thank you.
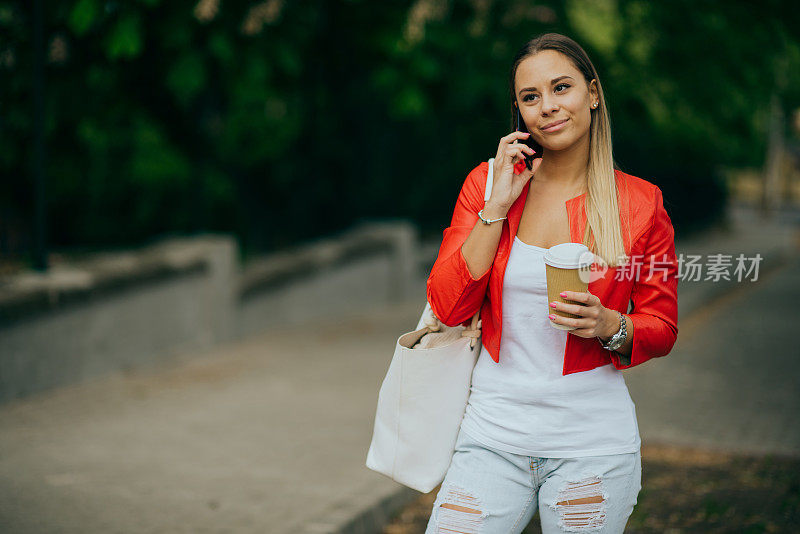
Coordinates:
(125, 38)
(186, 78)
(200, 115)
(83, 15)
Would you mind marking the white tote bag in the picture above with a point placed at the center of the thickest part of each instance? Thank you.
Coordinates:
(422, 401)
(423, 398)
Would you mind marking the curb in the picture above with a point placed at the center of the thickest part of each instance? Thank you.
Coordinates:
(355, 517)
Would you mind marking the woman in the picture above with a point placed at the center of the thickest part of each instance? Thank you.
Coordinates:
(550, 424)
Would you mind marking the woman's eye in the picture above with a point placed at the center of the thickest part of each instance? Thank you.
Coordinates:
(529, 96)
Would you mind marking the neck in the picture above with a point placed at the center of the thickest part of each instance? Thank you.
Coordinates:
(566, 168)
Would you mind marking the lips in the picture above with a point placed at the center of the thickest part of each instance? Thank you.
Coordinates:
(553, 125)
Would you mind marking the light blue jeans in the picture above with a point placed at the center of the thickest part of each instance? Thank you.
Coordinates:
(495, 492)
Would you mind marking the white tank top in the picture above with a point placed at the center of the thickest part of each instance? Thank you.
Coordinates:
(523, 404)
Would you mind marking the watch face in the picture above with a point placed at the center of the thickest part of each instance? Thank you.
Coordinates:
(616, 341)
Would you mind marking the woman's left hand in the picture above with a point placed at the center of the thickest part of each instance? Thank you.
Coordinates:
(595, 319)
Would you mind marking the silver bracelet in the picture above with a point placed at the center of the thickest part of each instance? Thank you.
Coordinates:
(488, 221)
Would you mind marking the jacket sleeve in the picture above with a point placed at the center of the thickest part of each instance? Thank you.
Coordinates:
(453, 293)
(655, 294)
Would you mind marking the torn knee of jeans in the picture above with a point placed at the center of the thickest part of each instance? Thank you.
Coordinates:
(460, 512)
(581, 505)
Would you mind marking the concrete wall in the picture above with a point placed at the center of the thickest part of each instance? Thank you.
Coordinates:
(135, 308)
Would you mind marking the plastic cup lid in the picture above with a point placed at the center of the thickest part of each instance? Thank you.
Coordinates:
(568, 256)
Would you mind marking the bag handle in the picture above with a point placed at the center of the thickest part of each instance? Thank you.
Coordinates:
(489, 181)
(433, 324)
(474, 330)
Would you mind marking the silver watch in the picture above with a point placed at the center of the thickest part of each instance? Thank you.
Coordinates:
(618, 339)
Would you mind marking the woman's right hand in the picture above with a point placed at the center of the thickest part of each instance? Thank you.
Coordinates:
(507, 186)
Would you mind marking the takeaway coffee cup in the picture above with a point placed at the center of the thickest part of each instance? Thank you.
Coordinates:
(568, 268)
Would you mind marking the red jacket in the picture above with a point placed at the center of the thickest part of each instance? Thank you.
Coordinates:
(455, 296)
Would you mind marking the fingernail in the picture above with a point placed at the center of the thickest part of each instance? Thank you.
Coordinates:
(563, 294)
(552, 317)
(552, 304)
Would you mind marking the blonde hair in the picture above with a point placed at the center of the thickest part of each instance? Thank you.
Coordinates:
(603, 233)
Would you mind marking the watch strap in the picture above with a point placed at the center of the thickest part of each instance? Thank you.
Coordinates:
(618, 339)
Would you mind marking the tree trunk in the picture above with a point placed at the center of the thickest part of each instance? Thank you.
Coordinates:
(773, 171)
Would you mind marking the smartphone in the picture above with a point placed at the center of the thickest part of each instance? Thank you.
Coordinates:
(529, 141)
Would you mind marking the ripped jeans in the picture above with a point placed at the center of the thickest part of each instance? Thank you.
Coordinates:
(495, 492)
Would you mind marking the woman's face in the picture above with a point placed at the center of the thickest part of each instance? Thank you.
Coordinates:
(550, 89)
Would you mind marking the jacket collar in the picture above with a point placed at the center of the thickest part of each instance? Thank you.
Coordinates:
(576, 214)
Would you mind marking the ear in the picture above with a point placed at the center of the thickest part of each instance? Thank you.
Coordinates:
(593, 89)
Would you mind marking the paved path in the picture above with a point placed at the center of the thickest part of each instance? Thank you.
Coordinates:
(732, 378)
(265, 436)
(731, 381)
(270, 435)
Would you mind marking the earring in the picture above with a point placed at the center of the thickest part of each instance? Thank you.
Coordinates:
(594, 105)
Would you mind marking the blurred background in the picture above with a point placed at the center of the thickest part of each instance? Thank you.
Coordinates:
(188, 188)
(182, 117)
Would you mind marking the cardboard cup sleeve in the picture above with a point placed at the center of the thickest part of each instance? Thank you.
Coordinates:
(567, 267)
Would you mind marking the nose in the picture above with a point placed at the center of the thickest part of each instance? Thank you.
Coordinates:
(549, 104)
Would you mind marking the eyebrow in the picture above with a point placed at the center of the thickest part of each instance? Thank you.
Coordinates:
(554, 80)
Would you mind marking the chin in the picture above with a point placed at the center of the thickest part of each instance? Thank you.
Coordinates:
(563, 144)
(555, 147)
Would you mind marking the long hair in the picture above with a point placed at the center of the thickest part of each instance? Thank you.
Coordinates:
(603, 234)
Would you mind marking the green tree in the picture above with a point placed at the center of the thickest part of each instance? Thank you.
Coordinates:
(281, 121)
